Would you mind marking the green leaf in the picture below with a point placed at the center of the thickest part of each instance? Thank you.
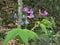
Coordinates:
(31, 34)
(47, 23)
(10, 35)
(43, 27)
(52, 21)
(26, 35)
(23, 35)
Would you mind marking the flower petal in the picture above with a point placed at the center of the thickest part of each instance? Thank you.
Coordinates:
(31, 16)
(25, 9)
(31, 11)
(45, 12)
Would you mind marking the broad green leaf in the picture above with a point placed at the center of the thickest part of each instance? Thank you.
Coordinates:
(10, 35)
(31, 34)
(23, 36)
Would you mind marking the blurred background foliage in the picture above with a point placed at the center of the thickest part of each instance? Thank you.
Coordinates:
(7, 10)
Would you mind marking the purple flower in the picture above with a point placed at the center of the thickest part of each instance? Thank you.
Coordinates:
(45, 13)
(31, 16)
(25, 9)
(40, 13)
(15, 15)
(31, 11)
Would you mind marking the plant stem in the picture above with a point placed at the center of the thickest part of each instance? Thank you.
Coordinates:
(26, 22)
(34, 27)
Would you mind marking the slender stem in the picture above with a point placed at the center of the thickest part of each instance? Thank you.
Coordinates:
(34, 27)
(26, 22)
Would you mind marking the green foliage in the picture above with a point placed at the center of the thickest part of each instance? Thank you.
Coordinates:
(53, 22)
(23, 34)
(43, 28)
(47, 23)
(10, 35)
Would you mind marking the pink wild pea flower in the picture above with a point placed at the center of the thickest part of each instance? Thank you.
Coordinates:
(40, 13)
(45, 12)
(25, 9)
(31, 14)
(31, 11)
